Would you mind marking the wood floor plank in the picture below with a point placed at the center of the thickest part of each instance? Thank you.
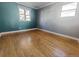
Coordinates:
(37, 43)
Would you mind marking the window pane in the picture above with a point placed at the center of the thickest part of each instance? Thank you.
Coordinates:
(21, 17)
(21, 10)
(27, 12)
(68, 13)
(69, 6)
(21, 13)
(27, 16)
(27, 19)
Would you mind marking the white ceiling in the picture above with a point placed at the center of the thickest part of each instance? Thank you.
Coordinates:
(36, 5)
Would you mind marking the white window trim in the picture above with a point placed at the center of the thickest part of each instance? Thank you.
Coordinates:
(25, 8)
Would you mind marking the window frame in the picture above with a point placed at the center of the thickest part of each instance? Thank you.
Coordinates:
(25, 10)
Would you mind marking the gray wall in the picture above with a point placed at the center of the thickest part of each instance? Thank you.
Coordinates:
(49, 19)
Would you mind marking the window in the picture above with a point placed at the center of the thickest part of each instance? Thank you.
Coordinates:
(68, 10)
(24, 14)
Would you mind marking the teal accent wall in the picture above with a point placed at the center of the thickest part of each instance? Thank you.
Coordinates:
(9, 18)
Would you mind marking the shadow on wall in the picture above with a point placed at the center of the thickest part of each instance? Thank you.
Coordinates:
(50, 19)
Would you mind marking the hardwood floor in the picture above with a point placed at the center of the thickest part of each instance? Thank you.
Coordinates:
(36, 43)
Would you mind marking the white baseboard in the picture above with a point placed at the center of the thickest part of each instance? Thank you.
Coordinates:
(16, 31)
(42, 30)
(74, 38)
